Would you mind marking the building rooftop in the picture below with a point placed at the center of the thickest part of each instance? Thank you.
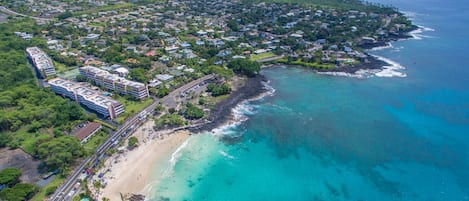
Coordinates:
(85, 92)
(114, 77)
(86, 131)
(40, 59)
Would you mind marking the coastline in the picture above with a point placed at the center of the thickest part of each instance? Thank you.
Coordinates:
(372, 64)
(153, 153)
(222, 113)
(133, 172)
(129, 173)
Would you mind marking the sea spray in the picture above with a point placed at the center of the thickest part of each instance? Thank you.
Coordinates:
(417, 34)
(240, 114)
(390, 70)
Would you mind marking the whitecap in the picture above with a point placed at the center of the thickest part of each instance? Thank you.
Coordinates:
(417, 34)
(393, 64)
(174, 158)
(391, 70)
(270, 91)
(390, 73)
(227, 130)
(240, 114)
(223, 153)
(387, 46)
(362, 73)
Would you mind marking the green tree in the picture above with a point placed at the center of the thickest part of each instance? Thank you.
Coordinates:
(233, 25)
(224, 89)
(19, 192)
(10, 176)
(193, 112)
(59, 152)
(138, 74)
(64, 15)
(169, 120)
(244, 66)
(133, 142)
(162, 92)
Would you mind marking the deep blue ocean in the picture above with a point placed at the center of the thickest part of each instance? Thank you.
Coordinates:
(320, 137)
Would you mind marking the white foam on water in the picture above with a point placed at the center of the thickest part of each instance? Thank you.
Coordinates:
(270, 91)
(362, 73)
(387, 46)
(240, 114)
(167, 172)
(174, 158)
(392, 70)
(417, 34)
(223, 153)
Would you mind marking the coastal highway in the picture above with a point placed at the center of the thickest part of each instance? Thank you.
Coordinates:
(65, 191)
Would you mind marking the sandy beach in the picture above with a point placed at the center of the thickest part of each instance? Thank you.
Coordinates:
(131, 171)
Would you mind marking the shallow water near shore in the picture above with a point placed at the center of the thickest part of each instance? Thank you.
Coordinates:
(322, 137)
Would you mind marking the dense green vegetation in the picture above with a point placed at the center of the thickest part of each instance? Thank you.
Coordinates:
(169, 120)
(10, 176)
(33, 118)
(15, 191)
(216, 90)
(59, 152)
(133, 142)
(19, 192)
(245, 67)
(193, 112)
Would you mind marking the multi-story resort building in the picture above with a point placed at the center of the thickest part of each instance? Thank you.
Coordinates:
(103, 105)
(41, 61)
(113, 82)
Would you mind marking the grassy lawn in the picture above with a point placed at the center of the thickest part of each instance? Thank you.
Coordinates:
(131, 107)
(266, 55)
(60, 67)
(71, 74)
(41, 195)
(211, 101)
(105, 124)
(96, 140)
(307, 64)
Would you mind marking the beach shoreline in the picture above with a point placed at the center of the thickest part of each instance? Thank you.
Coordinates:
(135, 171)
(151, 157)
(129, 172)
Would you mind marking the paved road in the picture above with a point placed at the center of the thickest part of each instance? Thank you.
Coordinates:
(10, 12)
(172, 101)
(65, 191)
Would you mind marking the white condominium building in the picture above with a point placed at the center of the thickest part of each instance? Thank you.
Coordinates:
(88, 97)
(115, 83)
(41, 61)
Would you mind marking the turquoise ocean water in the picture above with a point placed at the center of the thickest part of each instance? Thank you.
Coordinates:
(320, 137)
